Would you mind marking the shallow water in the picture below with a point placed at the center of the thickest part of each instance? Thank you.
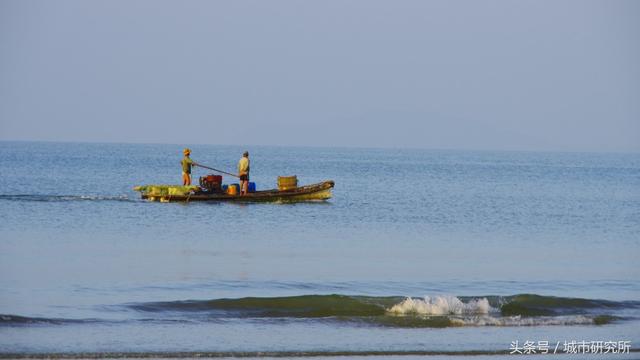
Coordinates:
(87, 266)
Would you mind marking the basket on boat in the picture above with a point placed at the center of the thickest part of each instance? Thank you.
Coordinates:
(287, 182)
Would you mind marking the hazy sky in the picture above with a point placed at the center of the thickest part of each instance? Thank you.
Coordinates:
(516, 75)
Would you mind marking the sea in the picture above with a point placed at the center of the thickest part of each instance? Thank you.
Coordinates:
(443, 254)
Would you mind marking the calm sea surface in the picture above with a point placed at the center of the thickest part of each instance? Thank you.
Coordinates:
(428, 251)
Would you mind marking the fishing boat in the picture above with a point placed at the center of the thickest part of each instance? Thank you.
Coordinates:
(166, 193)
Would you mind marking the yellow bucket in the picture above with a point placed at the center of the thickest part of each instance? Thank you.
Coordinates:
(232, 189)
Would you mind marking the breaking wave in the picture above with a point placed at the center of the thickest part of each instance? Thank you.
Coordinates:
(441, 305)
(391, 311)
(437, 311)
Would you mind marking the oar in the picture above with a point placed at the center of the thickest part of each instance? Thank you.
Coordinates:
(220, 171)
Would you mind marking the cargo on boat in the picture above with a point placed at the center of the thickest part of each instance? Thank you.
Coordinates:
(176, 193)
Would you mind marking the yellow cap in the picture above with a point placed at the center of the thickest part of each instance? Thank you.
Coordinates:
(186, 151)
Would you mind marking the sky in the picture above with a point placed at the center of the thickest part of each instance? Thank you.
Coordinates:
(453, 74)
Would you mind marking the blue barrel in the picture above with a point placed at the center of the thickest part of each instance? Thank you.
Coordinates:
(252, 187)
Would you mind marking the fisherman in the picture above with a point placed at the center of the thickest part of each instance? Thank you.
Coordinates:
(243, 173)
(187, 163)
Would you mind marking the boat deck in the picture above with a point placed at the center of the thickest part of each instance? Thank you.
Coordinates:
(318, 192)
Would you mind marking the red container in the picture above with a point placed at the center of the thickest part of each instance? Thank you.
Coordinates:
(214, 179)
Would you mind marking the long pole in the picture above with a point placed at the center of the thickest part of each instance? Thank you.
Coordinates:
(220, 171)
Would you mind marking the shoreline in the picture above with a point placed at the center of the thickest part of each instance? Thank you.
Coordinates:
(280, 354)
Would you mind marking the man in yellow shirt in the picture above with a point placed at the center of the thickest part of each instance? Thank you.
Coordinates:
(187, 163)
(243, 173)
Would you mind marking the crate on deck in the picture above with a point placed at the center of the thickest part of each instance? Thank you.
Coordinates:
(211, 183)
(287, 182)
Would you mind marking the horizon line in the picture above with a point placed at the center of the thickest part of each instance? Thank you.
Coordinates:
(633, 152)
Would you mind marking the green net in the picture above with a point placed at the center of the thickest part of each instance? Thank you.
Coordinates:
(166, 190)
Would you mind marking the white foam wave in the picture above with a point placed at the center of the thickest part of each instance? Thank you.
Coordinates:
(54, 198)
(523, 321)
(441, 305)
(101, 197)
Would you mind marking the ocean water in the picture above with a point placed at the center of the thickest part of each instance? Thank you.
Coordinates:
(419, 252)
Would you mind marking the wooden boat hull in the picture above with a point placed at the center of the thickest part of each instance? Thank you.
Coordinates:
(315, 192)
